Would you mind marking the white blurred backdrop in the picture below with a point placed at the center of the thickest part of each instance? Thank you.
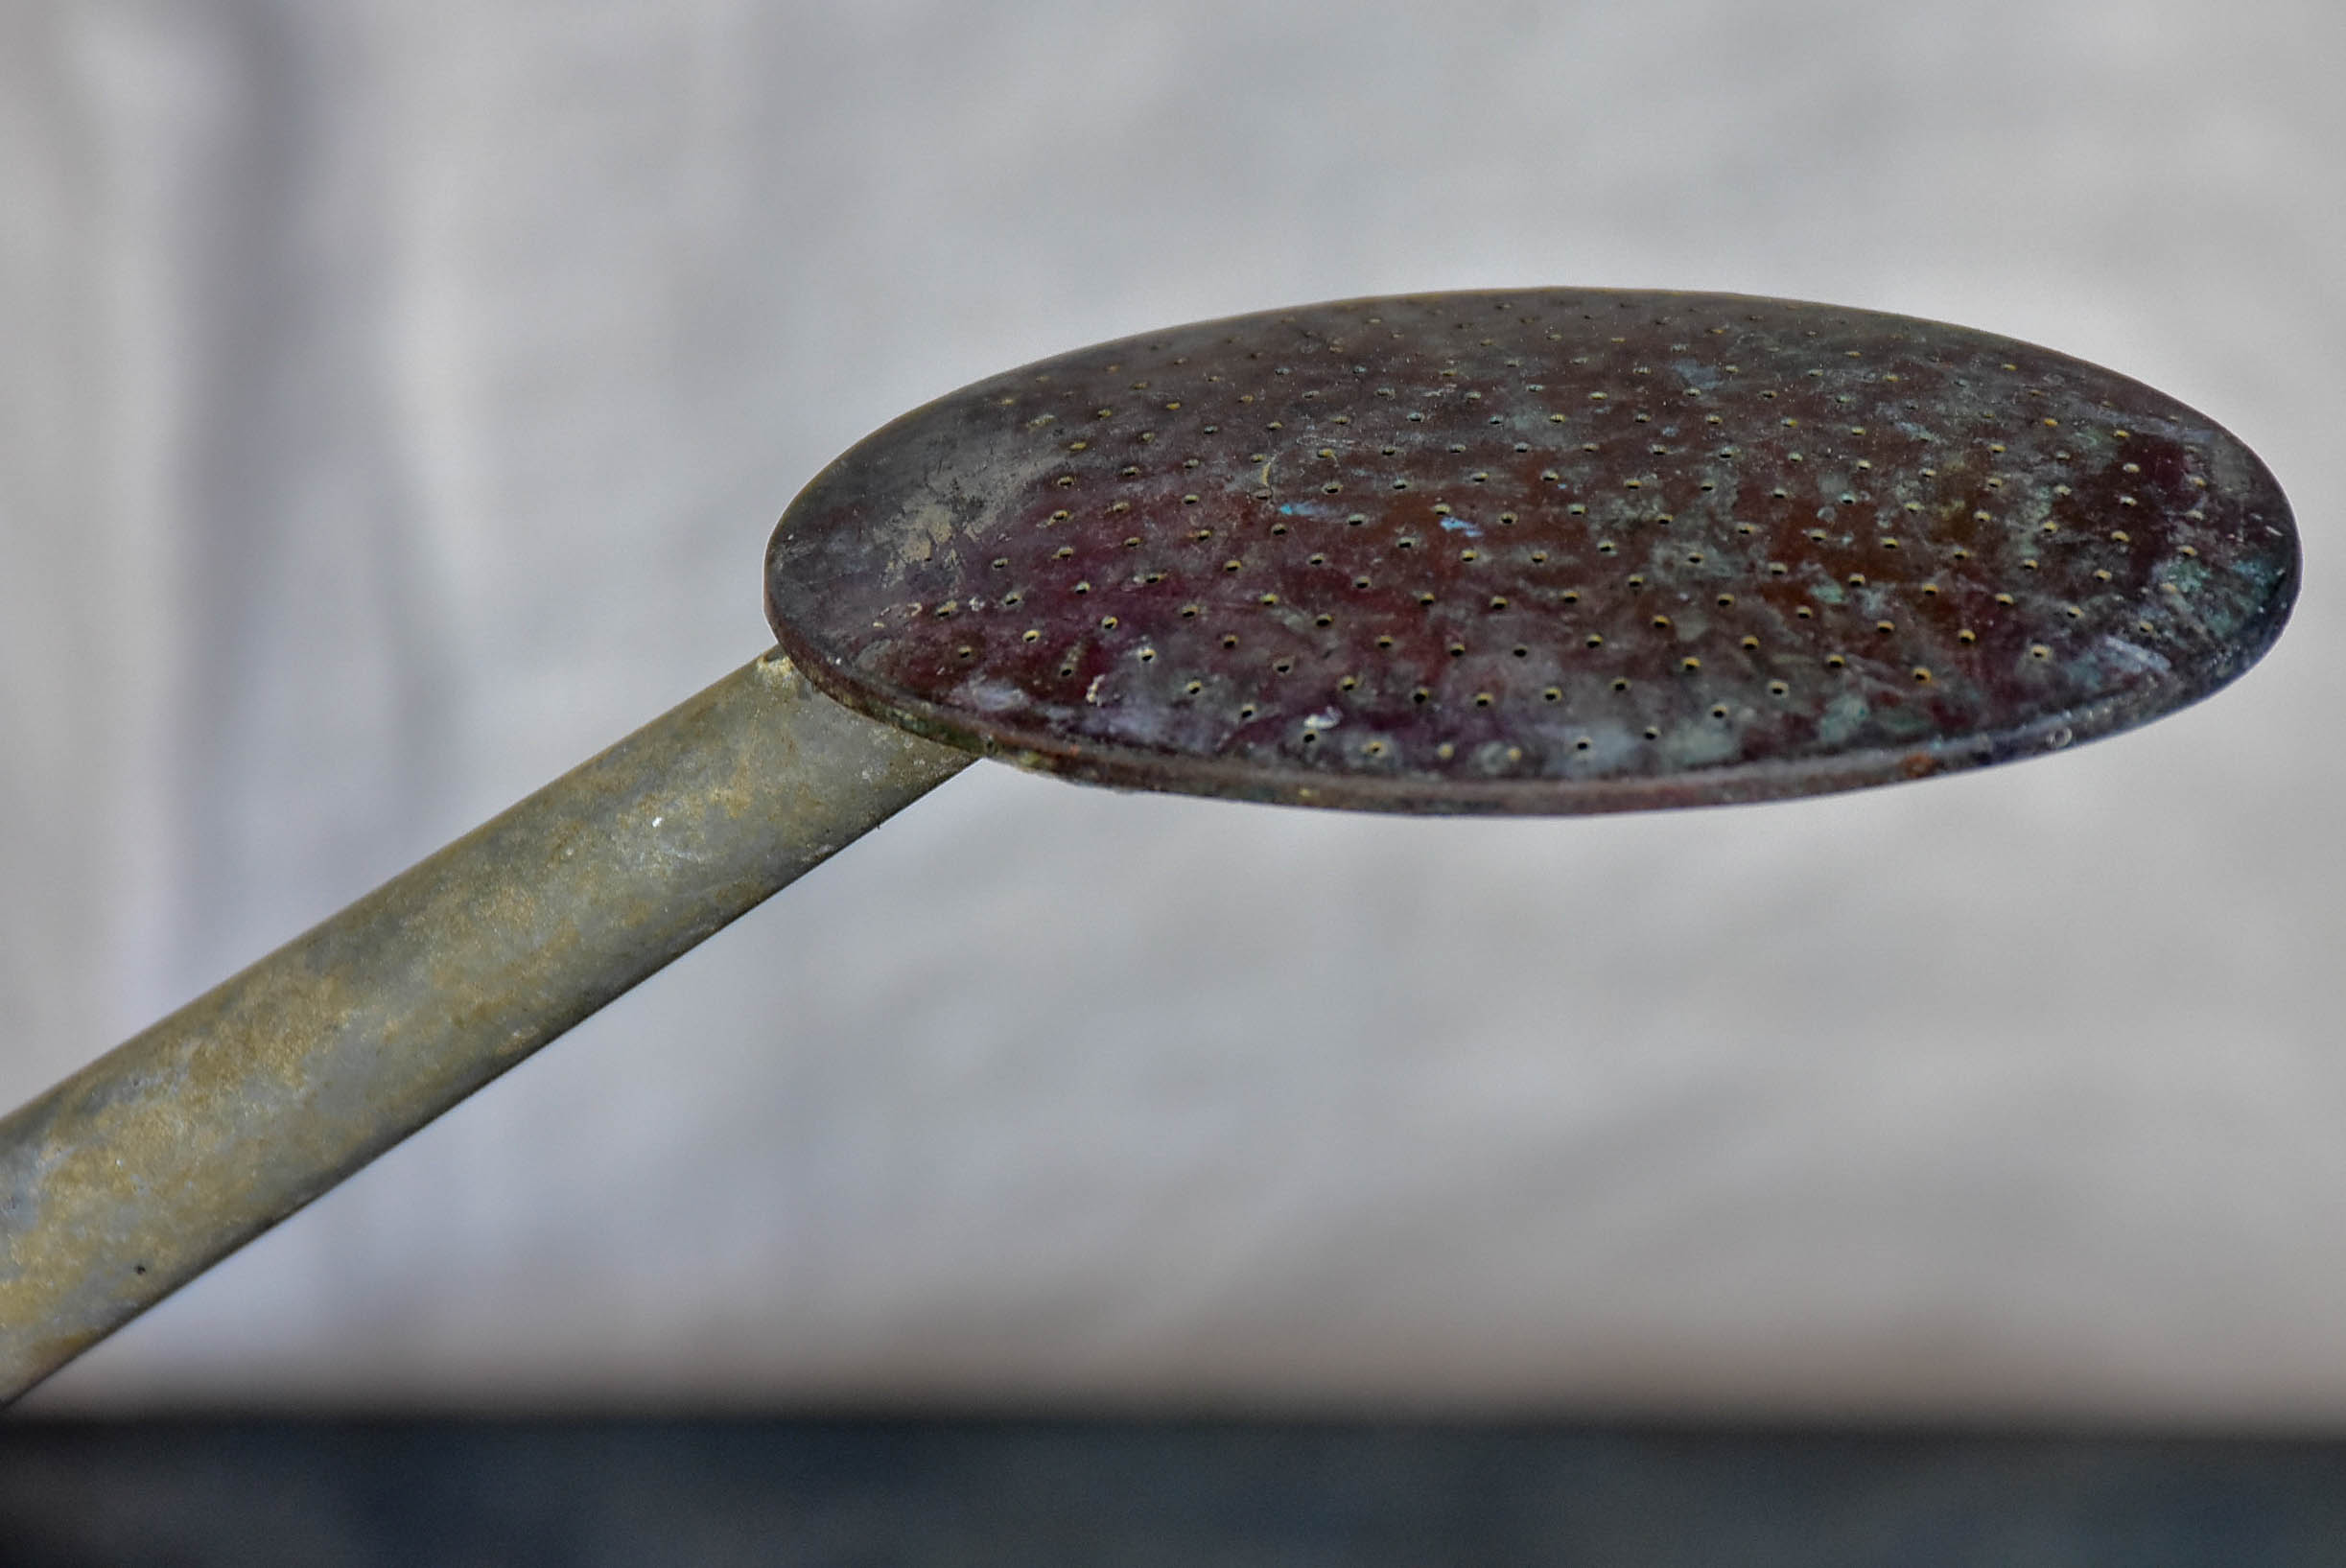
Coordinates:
(394, 398)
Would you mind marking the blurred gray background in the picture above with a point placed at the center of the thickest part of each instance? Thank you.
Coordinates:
(394, 398)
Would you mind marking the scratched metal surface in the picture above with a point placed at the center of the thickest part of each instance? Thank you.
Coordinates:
(1536, 551)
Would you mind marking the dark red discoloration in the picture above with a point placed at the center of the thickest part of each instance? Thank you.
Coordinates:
(1547, 552)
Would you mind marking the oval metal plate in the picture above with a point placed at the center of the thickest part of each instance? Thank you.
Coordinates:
(1546, 551)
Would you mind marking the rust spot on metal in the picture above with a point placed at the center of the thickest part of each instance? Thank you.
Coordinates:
(1551, 551)
(1546, 551)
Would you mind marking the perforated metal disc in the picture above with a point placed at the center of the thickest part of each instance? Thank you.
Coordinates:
(1548, 551)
